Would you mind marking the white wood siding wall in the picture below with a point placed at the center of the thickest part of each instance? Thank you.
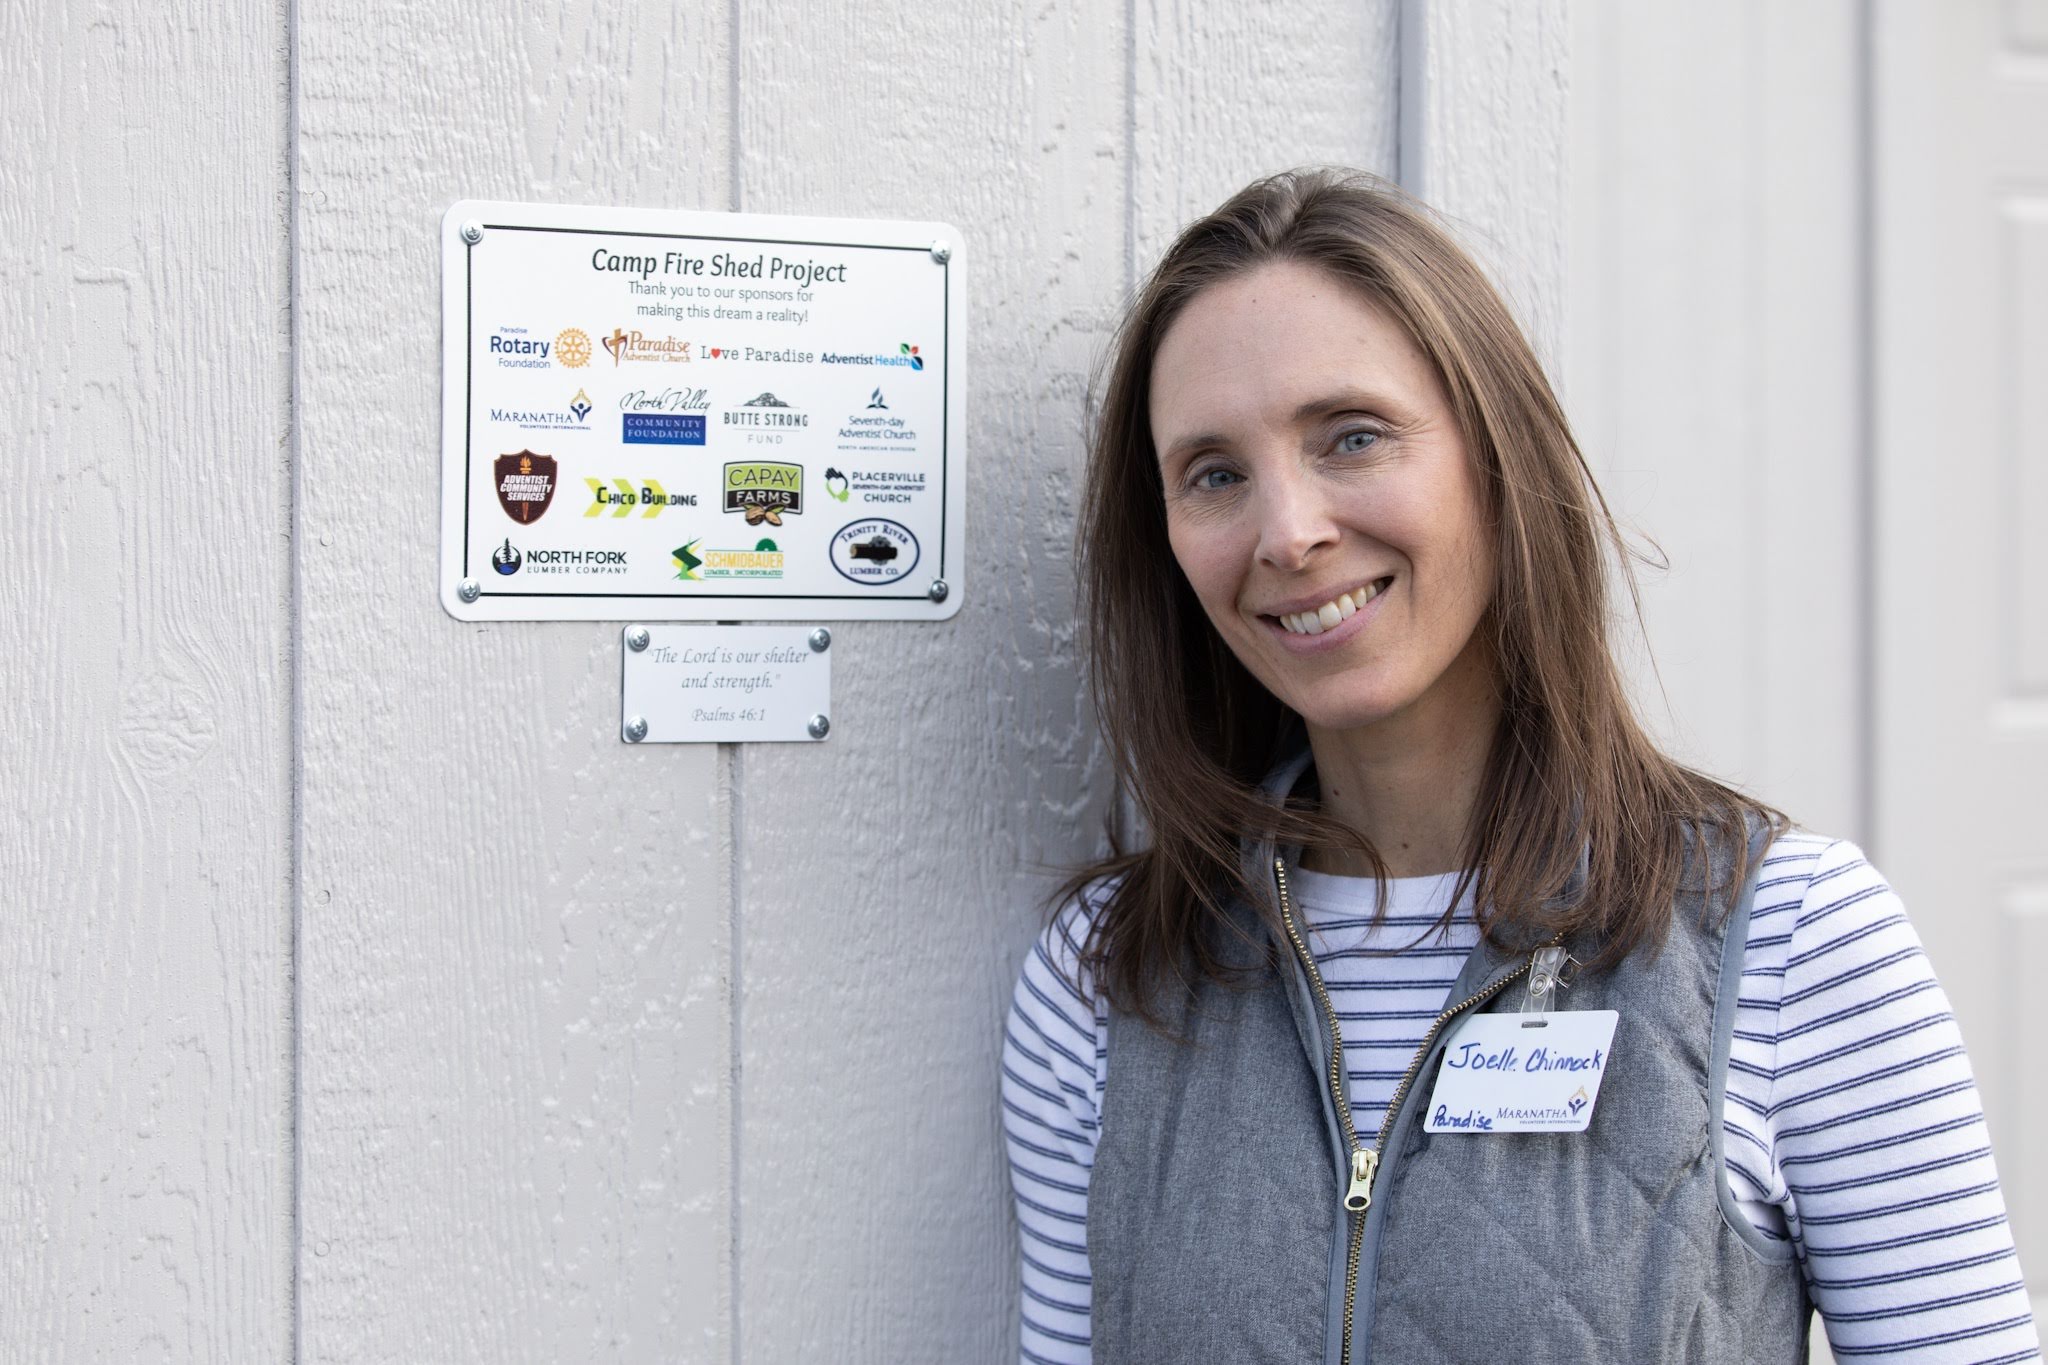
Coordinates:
(671, 1053)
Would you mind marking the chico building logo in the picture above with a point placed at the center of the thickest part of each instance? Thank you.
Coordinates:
(637, 345)
(764, 491)
(622, 496)
(526, 484)
(874, 552)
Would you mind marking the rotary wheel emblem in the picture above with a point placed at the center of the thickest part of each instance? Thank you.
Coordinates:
(572, 347)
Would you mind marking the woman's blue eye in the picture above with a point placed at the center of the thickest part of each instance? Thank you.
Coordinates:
(1352, 442)
(1215, 478)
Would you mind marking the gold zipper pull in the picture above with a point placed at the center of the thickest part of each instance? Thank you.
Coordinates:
(1364, 1162)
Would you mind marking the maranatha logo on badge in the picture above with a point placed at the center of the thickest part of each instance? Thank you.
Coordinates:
(1522, 1073)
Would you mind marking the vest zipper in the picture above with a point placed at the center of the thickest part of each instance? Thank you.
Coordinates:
(1365, 1161)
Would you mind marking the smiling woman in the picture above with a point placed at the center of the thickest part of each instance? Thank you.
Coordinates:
(1347, 597)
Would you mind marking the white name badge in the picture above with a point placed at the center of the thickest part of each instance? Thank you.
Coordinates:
(1522, 1073)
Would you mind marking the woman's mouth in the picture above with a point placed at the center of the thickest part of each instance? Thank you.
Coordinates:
(1334, 612)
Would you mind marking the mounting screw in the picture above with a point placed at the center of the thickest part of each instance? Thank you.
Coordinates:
(821, 640)
(820, 726)
(938, 590)
(636, 729)
(941, 252)
(468, 590)
(637, 638)
(472, 232)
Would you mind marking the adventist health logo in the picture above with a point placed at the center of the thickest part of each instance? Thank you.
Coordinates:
(695, 564)
(906, 355)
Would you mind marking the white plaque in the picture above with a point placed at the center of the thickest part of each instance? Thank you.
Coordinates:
(724, 684)
(684, 416)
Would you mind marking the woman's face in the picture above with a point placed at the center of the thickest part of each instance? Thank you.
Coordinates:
(1320, 500)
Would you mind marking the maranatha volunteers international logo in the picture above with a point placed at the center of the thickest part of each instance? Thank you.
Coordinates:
(637, 345)
(1577, 1102)
(764, 491)
(569, 417)
(572, 348)
(695, 564)
(874, 552)
(505, 559)
(526, 484)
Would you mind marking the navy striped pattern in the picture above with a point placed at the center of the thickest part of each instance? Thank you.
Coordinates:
(1852, 1124)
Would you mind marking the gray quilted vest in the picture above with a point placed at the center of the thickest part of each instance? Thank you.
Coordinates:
(1215, 1230)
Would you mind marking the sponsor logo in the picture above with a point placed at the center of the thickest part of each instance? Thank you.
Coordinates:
(637, 345)
(526, 484)
(622, 496)
(572, 348)
(905, 355)
(570, 417)
(764, 490)
(662, 428)
(874, 485)
(667, 400)
(766, 410)
(515, 349)
(783, 355)
(1578, 1101)
(875, 430)
(505, 559)
(575, 561)
(874, 551)
(696, 564)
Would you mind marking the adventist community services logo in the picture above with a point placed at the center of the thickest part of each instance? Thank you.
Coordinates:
(526, 484)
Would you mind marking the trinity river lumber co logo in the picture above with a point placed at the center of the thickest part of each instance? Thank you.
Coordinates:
(526, 484)
(764, 491)
(875, 551)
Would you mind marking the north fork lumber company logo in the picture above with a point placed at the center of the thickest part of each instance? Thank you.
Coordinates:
(526, 484)
(637, 345)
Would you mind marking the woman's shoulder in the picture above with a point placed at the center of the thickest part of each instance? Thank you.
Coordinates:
(1054, 974)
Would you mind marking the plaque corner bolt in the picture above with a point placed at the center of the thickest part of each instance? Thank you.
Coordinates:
(636, 729)
(820, 726)
(637, 638)
(469, 590)
(938, 591)
(942, 251)
(821, 640)
(472, 232)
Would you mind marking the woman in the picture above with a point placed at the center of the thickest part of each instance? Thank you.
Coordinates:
(1344, 574)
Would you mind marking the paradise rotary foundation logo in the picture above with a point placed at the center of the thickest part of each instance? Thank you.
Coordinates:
(572, 348)
(637, 345)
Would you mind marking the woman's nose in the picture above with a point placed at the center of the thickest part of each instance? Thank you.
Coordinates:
(1295, 522)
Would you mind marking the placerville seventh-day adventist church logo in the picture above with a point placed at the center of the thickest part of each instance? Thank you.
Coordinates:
(526, 484)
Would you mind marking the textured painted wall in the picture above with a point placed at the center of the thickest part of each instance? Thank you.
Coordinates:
(145, 912)
(515, 970)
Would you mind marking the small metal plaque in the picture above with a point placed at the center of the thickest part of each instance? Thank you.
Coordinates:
(690, 684)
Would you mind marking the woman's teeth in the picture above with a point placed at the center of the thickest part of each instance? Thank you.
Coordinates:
(1331, 612)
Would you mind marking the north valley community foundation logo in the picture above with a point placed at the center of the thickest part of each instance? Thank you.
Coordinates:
(526, 484)
(874, 552)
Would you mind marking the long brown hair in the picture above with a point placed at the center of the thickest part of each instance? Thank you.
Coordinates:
(1570, 774)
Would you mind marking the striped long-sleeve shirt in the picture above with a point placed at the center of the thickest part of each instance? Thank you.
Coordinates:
(1852, 1124)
